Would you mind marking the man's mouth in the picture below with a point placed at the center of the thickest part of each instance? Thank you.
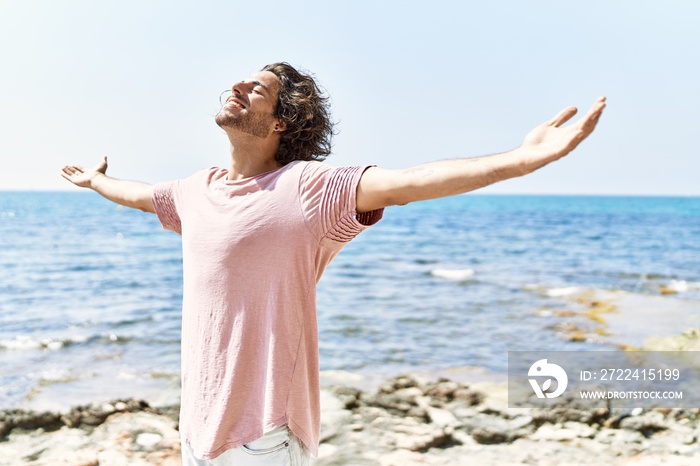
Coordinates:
(236, 103)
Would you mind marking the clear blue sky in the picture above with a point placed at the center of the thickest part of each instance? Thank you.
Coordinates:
(410, 82)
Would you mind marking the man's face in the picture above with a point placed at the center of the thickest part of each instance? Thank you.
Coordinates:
(251, 105)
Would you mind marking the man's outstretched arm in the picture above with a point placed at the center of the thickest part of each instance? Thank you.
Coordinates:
(132, 194)
(546, 143)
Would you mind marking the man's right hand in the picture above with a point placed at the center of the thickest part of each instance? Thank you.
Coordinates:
(82, 177)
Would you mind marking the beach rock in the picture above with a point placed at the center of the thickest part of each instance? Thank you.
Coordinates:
(336, 415)
(616, 436)
(441, 417)
(443, 389)
(403, 381)
(569, 431)
(561, 415)
(400, 403)
(349, 396)
(490, 435)
(471, 397)
(5, 428)
(647, 424)
(113, 433)
(148, 440)
(408, 421)
(403, 458)
(659, 460)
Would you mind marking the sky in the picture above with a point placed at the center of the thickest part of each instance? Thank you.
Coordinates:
(410, 82)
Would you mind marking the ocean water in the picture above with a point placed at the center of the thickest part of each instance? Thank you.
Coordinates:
(90, 292)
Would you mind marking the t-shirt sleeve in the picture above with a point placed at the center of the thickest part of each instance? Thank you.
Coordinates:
(165, 205)
(331, 198)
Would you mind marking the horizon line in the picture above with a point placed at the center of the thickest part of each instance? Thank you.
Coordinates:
(475, 192)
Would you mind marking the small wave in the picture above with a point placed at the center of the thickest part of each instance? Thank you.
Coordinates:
(558, 292)
(54, 376)
(564, 291)
(24, 342)
(9, 214)
(453, 274)
(128, 322)
(679, 286)
(112, 338)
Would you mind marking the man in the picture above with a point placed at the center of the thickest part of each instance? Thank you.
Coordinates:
(256, 238)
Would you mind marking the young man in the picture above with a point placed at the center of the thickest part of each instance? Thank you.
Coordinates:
(256, 238)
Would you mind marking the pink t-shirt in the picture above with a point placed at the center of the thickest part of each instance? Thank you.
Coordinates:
(253, 251)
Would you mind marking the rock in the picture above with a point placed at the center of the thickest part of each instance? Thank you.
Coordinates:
(659, 460)
(335, 417)
(402, 458)
(471, 397)
(521, 421)
(570, 431)
(91, 435)
(148, 440)
(107, 408)
(616, 436)
(349, 396)
(420, 443)
(444, 389)
(121, 406)
(408, 421)
(397, 403)
(404, 381)
(5, 428)
(72, 419)
(441, 417)
(647, 424)
(489, 435)
(561, 415)
(492, 429)
(326, 450)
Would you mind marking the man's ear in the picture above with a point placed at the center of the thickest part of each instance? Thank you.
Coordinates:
(280, 126)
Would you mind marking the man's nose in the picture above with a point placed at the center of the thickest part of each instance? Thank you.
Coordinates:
(239, 89)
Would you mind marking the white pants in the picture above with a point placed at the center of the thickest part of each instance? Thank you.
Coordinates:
(279, 447)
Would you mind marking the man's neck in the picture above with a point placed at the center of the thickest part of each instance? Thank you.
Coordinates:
(251, 159)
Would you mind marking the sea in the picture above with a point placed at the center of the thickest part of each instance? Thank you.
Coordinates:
(90, 292)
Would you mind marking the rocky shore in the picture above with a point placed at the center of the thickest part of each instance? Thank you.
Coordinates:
(408, 420)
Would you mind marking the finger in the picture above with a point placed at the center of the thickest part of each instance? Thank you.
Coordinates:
(563, 116)
(589, 122)
(72, 170)
(597, 108)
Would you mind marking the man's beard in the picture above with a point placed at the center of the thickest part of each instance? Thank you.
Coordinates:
(255, 124)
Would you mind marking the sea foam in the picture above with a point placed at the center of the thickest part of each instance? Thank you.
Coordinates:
(453, 274)
(681, 286)
(564, 291)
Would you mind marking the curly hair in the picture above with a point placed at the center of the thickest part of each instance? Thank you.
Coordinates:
(306, 112)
